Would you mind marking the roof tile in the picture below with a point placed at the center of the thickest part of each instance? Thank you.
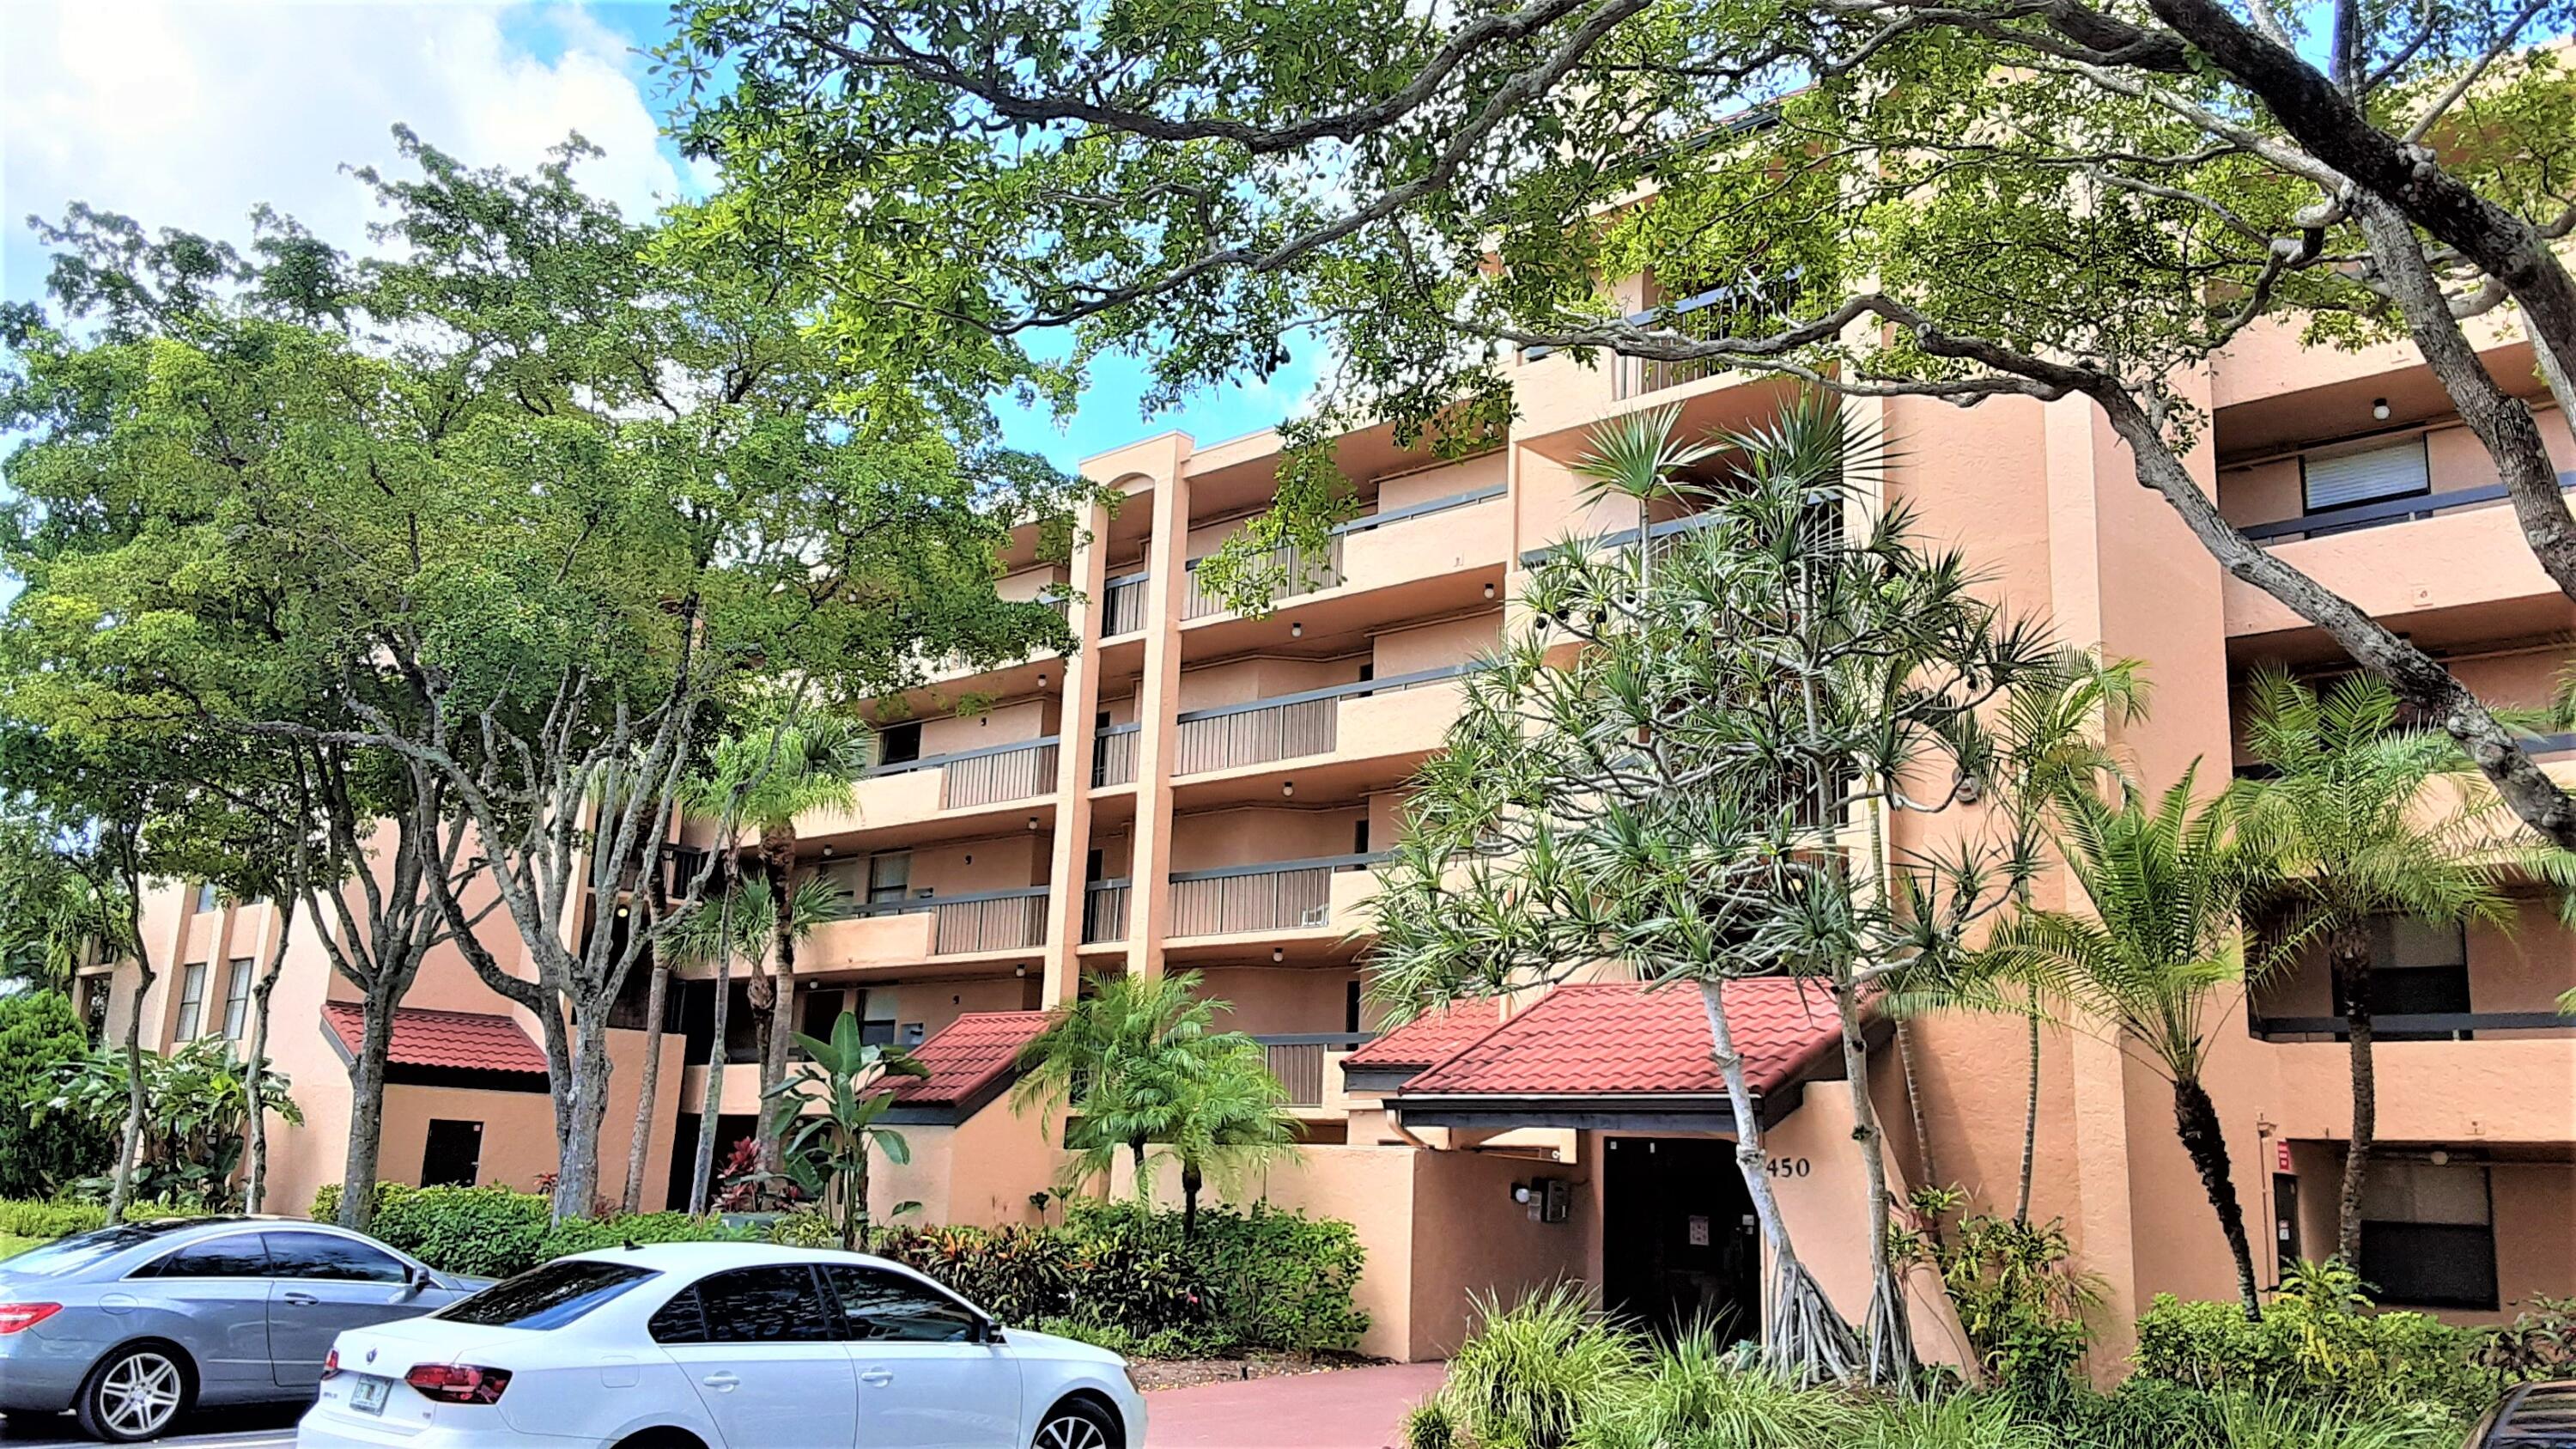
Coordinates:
(1428, 1038)
(1624, 1037)
(461, 1040)
(968, 1056)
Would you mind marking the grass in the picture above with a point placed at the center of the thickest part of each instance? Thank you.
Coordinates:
(11, 1247)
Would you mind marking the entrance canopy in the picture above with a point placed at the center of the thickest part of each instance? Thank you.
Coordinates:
(1622, 1056)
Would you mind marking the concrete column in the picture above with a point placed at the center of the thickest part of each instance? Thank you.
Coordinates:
(1074, 754)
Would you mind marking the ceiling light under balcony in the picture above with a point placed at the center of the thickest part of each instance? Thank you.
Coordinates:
(1296, 631)
(1287, 787)
(2379, 408)
(1489, 591)
(1278, 954)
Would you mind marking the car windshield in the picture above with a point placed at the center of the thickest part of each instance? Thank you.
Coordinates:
(547, 1297)
(65, 1256)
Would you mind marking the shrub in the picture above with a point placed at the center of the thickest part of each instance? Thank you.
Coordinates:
(493, 1232)
(20, 1219)
(2320, 1342)
(589, 1235)
(2017, 1292)
(1701, 1390)
(1427, 1426)
(804, 1230)
(1534, 1372)
(40, 1036)
(194, 1136)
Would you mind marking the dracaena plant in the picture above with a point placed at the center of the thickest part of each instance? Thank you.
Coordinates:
(830, 1118)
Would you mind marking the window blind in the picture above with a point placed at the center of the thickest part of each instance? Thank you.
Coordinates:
(2394, 470)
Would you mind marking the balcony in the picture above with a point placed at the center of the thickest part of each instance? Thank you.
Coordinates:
(916, 791)
(1394, 716)
(1122, 606)
(1318, 897)
(2508, 1078)
(1421, 549)
(2407, 556)
(925, 929)
(1104, 912)
(1307, 1064)
(1113, 756)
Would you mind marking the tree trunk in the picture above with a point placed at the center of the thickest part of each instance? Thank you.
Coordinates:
(366, 1114)
(1190, 1181)
(2352, 968)
(577, 1180)
(1803, 1337)
(711, 1105)
(1887, 1333)
(778, 860)
(129, 1139)
(1926, 1164)
(2029, 1126)
(1144, 1185)
(255, 1184)
(649, 1086)
(2196, 1119)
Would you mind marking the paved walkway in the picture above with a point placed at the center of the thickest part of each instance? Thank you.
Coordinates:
(1361, 1408)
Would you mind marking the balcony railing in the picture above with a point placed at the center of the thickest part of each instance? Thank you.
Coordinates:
(987, 776)
(1104, 911)
(1113, 756)
(1298, 570)
(1297, 1060)
(1122, 607)
(2455, 1025)
(1286, 895)
(1754, 307)
(2384, 511)
(1282, 727)
(962, 925)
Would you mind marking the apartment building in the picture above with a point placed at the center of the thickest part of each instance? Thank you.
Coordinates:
(1195, 788)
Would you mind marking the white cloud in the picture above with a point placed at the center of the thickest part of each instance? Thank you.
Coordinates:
(187, 113)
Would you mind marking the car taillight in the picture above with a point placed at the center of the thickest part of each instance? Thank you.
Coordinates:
(457, 1383)
(331, 1364)
(15, 1316)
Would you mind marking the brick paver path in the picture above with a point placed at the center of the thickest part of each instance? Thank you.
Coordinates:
(1361, 1408)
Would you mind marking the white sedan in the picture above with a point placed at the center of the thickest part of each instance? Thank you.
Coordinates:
(719, 1346)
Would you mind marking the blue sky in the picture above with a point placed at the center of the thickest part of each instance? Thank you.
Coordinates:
(190, 112)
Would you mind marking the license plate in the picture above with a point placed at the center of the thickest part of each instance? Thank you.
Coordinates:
(369, 1393)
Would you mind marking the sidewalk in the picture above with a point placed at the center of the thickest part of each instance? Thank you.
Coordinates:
(1361, 1408)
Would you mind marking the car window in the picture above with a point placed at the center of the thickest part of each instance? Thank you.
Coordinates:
(234, 1255)
(679, 1321)
(763, 1305)
(330, 1256)
(882, 1307)
(65, 1256)
(547, 1297)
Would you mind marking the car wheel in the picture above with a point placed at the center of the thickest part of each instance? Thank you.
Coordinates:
(133, 1394)
(1076, 1424)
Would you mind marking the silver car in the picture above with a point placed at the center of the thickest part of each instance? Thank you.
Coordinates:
(128, 1326)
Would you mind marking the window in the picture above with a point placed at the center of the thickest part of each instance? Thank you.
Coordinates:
(2416, 969)
(899, 744)
(237, 998)
(1351, 1009)
(2343, 477)
(81, 1251)
(881, 1307)
(1360, 836)
(889, 876)
(2428, 1235)
(192, 999)
(95, 992)
(678, 1321)
(207, 897)
(547, 1297)
(238, 1255)
(759, 1305)
(876, 1018)
(330, 1257)
(823, 1007)
(453, 1154)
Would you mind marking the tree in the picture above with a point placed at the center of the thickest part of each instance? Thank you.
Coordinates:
(200, 1097)
(2168, 886)
(520, 512)
(40, 1035)
(2353, 818)
(1959, 201)
(1227, 1115)
(1703, 786)
(826, 1152)
(1136, 1062)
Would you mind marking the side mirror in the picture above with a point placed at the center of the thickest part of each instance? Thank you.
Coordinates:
(417, 1278)
(987, 1330)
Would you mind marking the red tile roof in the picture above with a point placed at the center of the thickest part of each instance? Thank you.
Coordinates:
(1623, 1038)
(1430, 1037)
(969, 1057)
(461, 1040)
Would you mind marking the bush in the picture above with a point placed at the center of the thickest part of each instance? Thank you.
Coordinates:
(19, 1219)
(2319, 1342)
(1427, 1426)
(1537, 1371)
(1700, 1390)
(40, 1036)
(493, 1232)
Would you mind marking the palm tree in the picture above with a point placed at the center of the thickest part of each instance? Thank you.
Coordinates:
(2354, 827)
(1139, 1063)
(2168, 886)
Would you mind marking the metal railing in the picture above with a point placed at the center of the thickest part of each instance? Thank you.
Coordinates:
(1104, 911)
(1296, 570)
(1754, 307)
(989, 775)
(1297, 1060)
(1113, 756)
(1122, 605)
(2384, 511)
(1285, 895)
(2420, 1026)
(1012, 920)
(1282, 727)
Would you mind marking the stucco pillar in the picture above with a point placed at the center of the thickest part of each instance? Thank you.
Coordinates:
(1158, 691)
(1077, 745)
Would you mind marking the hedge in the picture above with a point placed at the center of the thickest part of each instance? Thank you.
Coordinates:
(492, 1232)
(40, 1034)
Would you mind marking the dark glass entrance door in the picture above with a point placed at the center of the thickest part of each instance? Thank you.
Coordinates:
(1677, 1244)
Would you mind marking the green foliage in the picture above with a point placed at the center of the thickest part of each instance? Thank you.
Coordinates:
(1261, 1279)
(494, 1232)
(19, 1219)
(1427, 1426)
(2540, 1343)
(826, 1154)
(1701, 1391)
(2319, 1341)
(198, 1100)
(804, 1230)
(40, 1035)
(1535, 1371)
(2018, 1295)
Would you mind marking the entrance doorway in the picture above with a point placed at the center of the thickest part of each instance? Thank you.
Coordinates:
(1678, 1242)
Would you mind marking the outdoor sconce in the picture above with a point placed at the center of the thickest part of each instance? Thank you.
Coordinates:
(1278, 954)
(1489, 591)
(1033, 822)
(1041, 681)
(2379, 408)
(1287, 788)
(827, 852)
(1297, 631)
(1020, 970)
(1521, 1193)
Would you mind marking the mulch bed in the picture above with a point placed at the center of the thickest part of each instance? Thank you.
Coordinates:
(1182, 1373)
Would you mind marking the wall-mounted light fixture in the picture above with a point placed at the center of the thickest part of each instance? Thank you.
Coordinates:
(1278, 954)
(1297, 631)
(2379, 408)
(1489, 591)
(1287, 787)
